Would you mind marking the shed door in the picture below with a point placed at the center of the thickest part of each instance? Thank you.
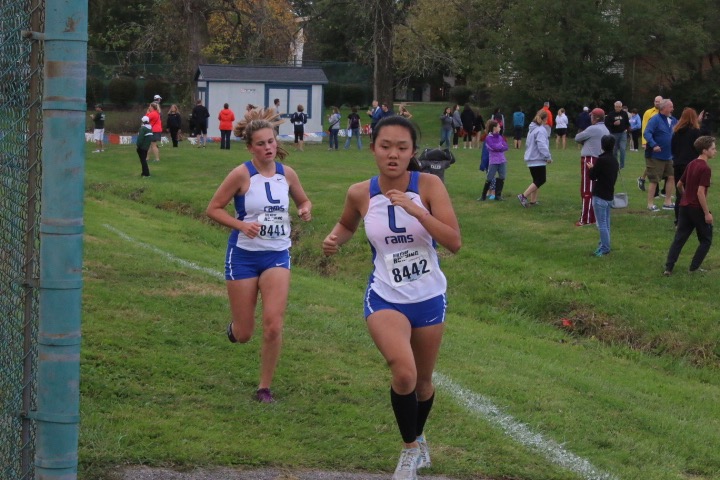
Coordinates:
(290, 98)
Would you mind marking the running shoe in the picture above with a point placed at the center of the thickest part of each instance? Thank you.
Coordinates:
(491, 197)
(424, 461)
(407, 465)
(667, 273)
(264, 395)
(523, 200)
(654, 208)
(641, 183)
(230, 335)
(669, 207)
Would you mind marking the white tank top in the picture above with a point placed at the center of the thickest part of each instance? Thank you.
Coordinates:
(406, 267)
(267, 201)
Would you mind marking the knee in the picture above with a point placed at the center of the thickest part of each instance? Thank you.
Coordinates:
(404, 377)
(243, 335)
(424, 388)
(272, 330)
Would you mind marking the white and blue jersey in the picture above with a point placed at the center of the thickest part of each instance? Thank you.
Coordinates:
(406, 267)
(267, 201)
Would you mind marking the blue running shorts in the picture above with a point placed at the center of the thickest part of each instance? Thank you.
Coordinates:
(241, 264)
(422, 314)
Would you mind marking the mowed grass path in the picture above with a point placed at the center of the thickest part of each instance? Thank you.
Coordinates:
(162, 386)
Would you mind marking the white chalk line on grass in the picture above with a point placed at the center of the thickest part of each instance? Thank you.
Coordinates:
(169, 256)
(521, 433)
(475, 403)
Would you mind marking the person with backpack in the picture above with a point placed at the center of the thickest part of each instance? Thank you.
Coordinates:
(353, 129)
(299, 119)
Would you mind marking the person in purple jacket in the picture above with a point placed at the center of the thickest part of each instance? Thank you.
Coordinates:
(497, 146)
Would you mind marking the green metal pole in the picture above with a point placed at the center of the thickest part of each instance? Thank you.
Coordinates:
(61, 236)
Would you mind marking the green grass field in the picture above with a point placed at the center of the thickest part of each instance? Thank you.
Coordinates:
(631, 387)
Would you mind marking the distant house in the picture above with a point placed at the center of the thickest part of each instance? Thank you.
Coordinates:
(239, 85)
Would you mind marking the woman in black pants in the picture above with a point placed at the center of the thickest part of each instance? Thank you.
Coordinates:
(174, 123)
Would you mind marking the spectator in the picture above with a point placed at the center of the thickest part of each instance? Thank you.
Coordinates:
(635, 129)
(375, 114)
(500, 118)
(649, 113)
(404, 111)
(226, 117)
(446, 127)
(144, 138)
(457, 125)
(299, 119)
(694, 210)
(99, 128)
(591, 141)
(467, 117)
(618, 124)
(353, 128)
(604, 174)
(153, 113)
(518, 126)
(478, 129)
(549, 124)
(200, 115)
(334, 127)
(658, 135)
(497, 146)
(174, 124)
(386, 110)
(682, 145)
(561, 127)
(537, 157)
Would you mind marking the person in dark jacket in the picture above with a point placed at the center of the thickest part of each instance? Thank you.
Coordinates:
(174, 123)
(682, 145)
(467, 117)
(604, 173)
(478, 129)
(200, 115)
(144, 138)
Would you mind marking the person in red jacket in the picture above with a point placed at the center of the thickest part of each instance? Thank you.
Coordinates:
(153, 113)
(226, 117)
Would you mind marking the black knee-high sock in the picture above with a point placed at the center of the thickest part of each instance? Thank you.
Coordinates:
(424, 408)
(405, 408)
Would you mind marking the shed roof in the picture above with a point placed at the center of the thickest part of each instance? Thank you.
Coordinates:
(274, 74)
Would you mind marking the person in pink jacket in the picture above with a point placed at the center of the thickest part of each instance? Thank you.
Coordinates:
(226, 117)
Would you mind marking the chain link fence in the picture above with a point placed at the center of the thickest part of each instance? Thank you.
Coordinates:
(21, 83)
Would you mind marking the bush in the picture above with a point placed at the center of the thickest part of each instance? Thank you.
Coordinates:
(333, 94)
(94, 91)
(356, 95)
(460, 94)
(122, 91)
(157, 87)
(337, 95)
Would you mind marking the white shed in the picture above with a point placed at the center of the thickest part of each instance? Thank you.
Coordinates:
(239, 85)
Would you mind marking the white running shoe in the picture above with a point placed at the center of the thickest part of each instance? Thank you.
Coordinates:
(407, 465)
(424, 461)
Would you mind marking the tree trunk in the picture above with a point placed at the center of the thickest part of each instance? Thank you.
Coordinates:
(195, 14)
(383, 16)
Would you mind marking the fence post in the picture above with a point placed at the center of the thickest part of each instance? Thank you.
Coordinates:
(61, 234)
